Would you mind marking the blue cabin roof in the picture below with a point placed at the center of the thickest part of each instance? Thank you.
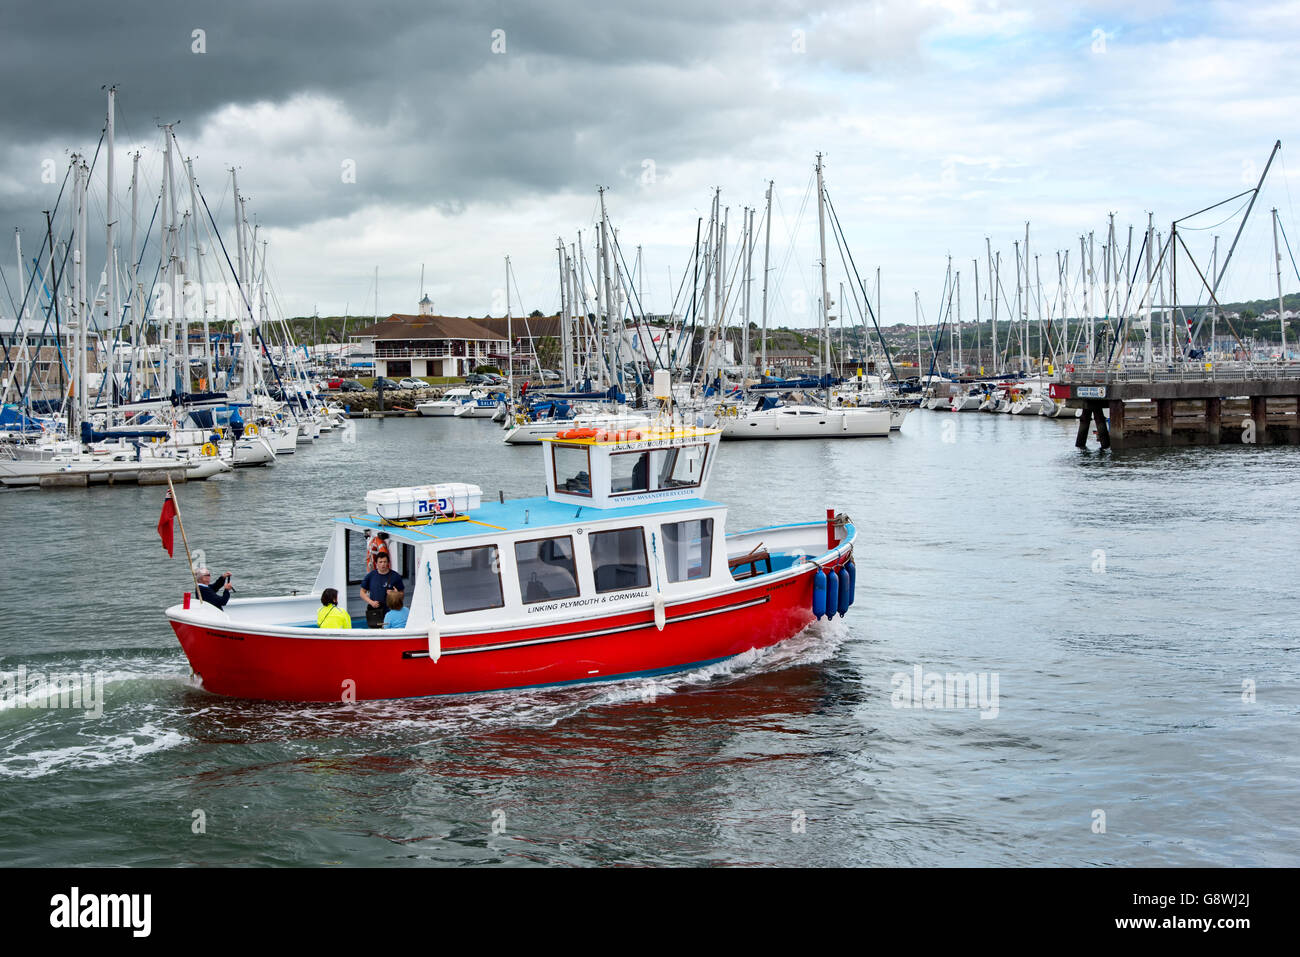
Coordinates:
(518, 515)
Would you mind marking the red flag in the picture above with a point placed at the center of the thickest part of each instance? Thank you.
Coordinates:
(165, 522)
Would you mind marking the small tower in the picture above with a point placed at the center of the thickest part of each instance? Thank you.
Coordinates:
(426, 306)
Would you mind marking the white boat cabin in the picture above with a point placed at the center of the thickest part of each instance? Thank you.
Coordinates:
(624, 522)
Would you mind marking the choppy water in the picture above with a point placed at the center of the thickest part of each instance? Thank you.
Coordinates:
(1121, 604)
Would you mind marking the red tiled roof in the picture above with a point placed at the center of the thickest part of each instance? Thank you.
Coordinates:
(399, 326)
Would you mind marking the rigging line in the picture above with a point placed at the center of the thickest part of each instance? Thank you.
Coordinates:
(1231, 215)
(512, 275)
(1287, 242)
(242, 295)
(790, 235)
(1287, 186)
(844, 249)
(1244, 192)
(12, 303)
(53, 212)
(631, 290)
(1121, 331)
(1213, 298)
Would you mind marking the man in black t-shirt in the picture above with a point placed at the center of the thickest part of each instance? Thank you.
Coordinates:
(375, 587)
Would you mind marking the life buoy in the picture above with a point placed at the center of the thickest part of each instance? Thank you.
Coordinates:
(577, 434)
(601, 435)
(209, 449)
(633, 435)
(250, 429)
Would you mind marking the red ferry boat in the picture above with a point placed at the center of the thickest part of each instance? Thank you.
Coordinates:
(622, 570)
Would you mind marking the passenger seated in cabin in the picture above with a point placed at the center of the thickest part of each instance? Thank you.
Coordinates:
(397, 615)
(330, 614)
(215, 594)
(579, 483)
(375, 587)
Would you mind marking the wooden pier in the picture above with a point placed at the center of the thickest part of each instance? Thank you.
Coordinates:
(1199, 404)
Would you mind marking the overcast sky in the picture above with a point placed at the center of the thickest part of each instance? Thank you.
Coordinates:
(481, 130)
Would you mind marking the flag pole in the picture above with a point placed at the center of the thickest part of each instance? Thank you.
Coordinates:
(171, 490)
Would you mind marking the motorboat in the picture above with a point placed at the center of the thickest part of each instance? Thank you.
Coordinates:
(622, 570)
(451, 400)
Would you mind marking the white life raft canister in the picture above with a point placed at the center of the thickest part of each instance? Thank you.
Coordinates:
(424, 501)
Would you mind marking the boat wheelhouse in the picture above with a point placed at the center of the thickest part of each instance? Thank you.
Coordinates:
(623, 569)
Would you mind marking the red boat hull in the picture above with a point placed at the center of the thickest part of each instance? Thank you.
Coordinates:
(241, 664)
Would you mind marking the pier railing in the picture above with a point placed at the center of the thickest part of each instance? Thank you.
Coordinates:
(1180, 372)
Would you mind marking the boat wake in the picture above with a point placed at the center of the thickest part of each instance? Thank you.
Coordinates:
(63, 713)
(99, 750)
(152, 704)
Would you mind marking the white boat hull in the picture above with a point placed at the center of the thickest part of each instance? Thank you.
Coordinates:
(472, 411)
(805, 422)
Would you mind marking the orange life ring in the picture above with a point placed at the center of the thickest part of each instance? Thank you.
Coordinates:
(576, 434)
(601, 435)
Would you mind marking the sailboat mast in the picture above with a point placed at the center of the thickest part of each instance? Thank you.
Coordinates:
(198, 258)
(82, 299)
(1147, 357)
(1277, 255)
(821, 233)
(564, 310)
(960, 363)
(749, 270)
(767, 250)
(510, 338)
(608, 329)
(109, 384)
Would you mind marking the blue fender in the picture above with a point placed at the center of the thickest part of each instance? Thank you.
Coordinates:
(832, 593)
(819, 594)
(846, 587)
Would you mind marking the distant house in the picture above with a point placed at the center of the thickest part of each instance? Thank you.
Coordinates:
(428, 345)
(798, 359)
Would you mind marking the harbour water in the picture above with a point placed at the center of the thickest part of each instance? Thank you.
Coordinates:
(1136, 615)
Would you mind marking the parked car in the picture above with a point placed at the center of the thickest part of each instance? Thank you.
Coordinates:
(476, 378)
(333, 383)
(491, 378)
(413, 383)
(383, 382)
(351, 385)
(550, 375)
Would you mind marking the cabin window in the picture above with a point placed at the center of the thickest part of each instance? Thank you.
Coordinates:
(572, 469)
(546, 569)
(403, 558)
(688, 549)
(684, 467)
(471, 579)
(618, 559)
(356, 552)
(629, 472)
